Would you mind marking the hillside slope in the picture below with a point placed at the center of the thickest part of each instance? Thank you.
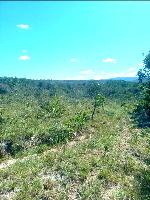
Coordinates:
(107, 159)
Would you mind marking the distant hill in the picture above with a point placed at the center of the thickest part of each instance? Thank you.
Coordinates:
(117, 88)
(134, 79)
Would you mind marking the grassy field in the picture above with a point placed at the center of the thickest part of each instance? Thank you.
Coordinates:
(108, 158)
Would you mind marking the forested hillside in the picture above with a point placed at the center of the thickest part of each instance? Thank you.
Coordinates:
(75, 89)
(72, 140)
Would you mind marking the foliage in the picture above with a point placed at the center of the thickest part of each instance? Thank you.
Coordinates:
(93, 87)
(77, 122)
(144, 74)
(98, 102)
(116, 90)
(50, 149)
(54, 107)
(111, 162)
(143, 108)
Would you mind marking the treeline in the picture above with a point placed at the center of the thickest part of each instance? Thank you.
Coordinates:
(113, 89)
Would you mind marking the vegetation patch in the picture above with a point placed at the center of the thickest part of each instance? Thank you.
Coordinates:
(75, 140)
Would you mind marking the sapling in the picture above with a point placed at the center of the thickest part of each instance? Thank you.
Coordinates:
(98, 102)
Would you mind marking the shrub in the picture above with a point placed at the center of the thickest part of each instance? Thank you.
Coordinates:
(98, 102)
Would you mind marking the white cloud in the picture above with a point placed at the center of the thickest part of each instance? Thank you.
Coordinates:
(24, 51)
(132, 72)
(90, 74)
(87, 72)
(114, 75)
(73, 60)
(131, 69)
(80, 77)
(23, 26)
(109, 60)
(24, 57)
(141, 65)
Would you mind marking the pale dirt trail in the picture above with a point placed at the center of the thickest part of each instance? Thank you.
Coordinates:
(70, 144)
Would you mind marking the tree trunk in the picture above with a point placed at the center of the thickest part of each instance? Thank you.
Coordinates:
(93, 111)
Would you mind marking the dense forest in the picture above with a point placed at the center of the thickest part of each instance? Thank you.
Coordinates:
(73, 140)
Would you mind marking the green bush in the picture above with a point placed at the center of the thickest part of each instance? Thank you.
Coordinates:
(98, 102)
(78, 121)
(54, 107)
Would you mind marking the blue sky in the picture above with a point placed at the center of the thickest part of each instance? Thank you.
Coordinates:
(73, 40)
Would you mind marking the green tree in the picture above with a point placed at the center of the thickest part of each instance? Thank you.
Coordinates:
(144, 74)
(93, 91)
(93, 88)
(98, 102)
(144, 79)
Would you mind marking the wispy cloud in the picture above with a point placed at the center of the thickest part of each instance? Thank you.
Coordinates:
(73, 60)
(24, 57)
(87, 72)
(90, 74)
(131, 72)
(73, 78)
(23, 26)
(132, 69)
(83, 75)
(109, 60)
(141, 65)
(24, 51)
